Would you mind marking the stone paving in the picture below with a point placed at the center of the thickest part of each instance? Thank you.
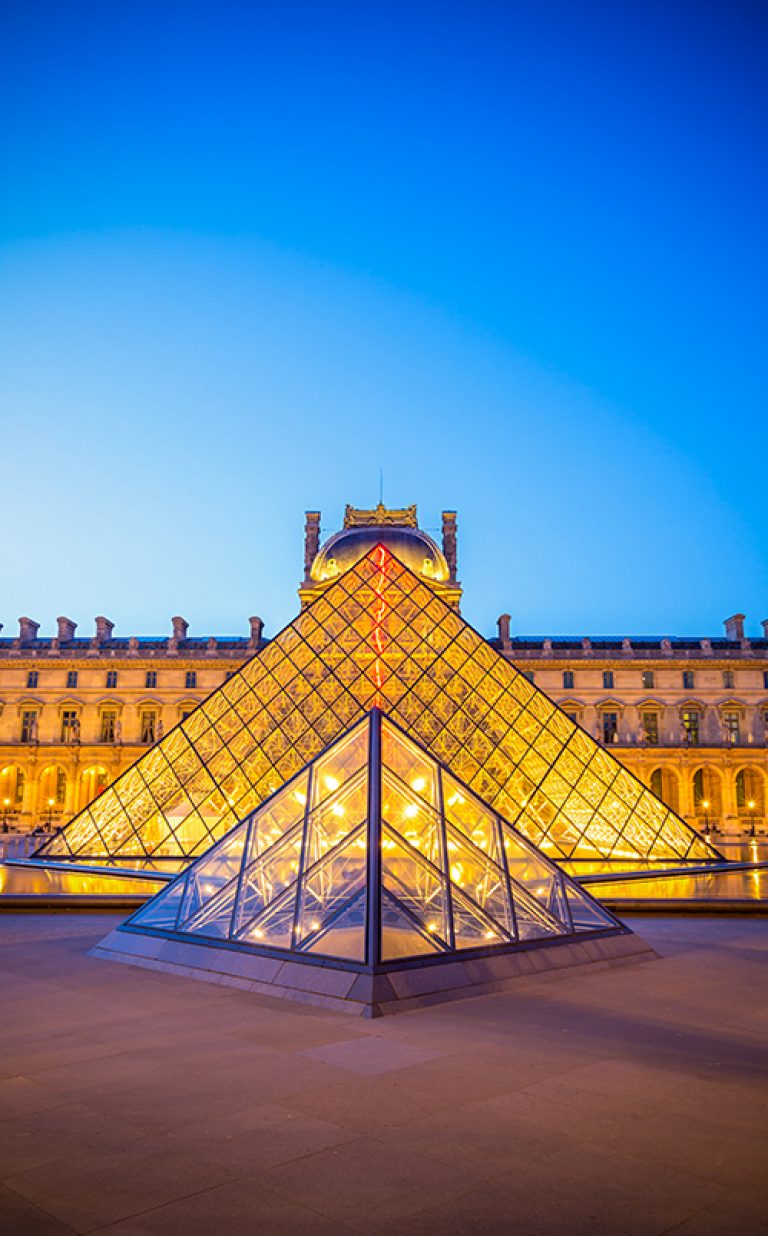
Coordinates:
(622, 1102)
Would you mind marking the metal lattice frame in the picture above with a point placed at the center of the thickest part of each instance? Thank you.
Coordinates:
(379, 636)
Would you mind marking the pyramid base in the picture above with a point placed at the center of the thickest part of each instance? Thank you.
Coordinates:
(371, 995)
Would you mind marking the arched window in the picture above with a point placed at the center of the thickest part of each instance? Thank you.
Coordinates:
(11, 789)
(665, 785)
(750, 792)
(93, 781)
(52, 791)
(707, 792)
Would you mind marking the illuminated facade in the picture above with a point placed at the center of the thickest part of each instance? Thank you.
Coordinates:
(688, 716)
(379, 636)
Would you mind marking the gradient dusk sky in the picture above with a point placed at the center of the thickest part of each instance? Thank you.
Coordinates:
(513, 254)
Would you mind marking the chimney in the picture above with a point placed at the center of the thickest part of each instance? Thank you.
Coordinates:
(449, 542)
(104, 629)
(67, 628)
(311, 540)
(734, 627)
(257, 626)
(504, 621)
(180, 628)
(764, 625)
(28, 629)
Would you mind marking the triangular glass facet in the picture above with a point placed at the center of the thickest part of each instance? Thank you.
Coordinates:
(380, 636)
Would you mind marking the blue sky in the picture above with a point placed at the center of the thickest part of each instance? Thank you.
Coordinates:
(513, 254)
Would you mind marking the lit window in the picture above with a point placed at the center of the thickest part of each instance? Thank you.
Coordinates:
(647, 680)
(29, 725)
(111, 678)
(190, 679)
(610, 726)
(60, 793)
(32, 678)
(728, 679)
(731, 726)
(151, 678)
(691, 722)
(69, 725)
(71, 678)
(650, 722)
(147, 727)
(108, 725)
(567, 679)
(688, 680)
(608, 679)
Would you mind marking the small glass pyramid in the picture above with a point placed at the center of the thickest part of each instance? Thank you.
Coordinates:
(379, 636)
(372, 854)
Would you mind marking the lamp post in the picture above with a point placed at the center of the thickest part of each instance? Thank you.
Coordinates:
(705, 805)
(6, 813)
(49, 814)
(751, 805)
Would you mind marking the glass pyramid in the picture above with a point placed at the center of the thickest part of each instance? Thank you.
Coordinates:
(379, 636)
(373, 854)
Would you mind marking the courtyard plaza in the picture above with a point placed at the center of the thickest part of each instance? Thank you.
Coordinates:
(625, 1101)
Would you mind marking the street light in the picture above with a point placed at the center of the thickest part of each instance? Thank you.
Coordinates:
(705, 805)
(49, 815)
(751, 805)
(6, 813)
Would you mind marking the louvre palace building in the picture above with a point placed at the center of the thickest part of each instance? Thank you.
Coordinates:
(688, 716)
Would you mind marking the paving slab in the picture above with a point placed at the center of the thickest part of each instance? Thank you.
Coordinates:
(625, 1101)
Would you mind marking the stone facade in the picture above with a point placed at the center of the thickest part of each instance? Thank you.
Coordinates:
(688, 716)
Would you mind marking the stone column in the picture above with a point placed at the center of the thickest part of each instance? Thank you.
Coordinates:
(449, 542)
(311, 540)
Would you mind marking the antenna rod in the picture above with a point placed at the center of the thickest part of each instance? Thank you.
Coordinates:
(381, 486)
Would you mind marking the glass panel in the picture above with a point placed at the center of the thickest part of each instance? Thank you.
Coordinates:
(532, 873)
(481, 880)
(414, 768)
(412, 819)
(587, 914)
(267, 878)
(400, 935)
(416, 885)
(330, 886)
(163, 909)
(473, 929)
(345, 935)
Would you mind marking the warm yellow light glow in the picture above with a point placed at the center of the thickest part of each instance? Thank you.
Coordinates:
(231, 802)
(258, 932)
(705, 804)
(314, 926)
(751, 805)
(410, 811)
(337, 809)
(418, 784)
(50, 802)
(431, 926)
(300, 798)
(490, 935)
(455, 798)
(331, 783)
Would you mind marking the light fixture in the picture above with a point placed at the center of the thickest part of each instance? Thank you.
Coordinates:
(337, 809)
(410, 811)
(418, 784)
(331, 783)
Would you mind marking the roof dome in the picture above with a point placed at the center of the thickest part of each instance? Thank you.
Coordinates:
(413, 547)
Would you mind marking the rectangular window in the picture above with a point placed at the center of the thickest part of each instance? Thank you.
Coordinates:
(647, 680)
(29, 725)
(691, 727)
(567, 679)
(69, 725)
(108, 726)
(32, 678)
(728, 680)
(688, 680)
(190, 679)
(731, 726)
(111, 678)
(151, 678)
(529, 674)
(651, 728)
(608, 680)
(71, 678)
(610, 726)
(765, 679)
(574, 716)
(147, 727)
